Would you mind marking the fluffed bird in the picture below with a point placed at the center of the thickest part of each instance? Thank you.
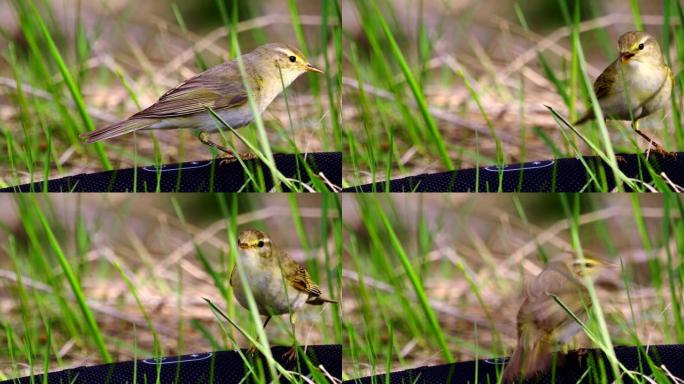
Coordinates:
(278, 284)
(542, 323)
(637, 84)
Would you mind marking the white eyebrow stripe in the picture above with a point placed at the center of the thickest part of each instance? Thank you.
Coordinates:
(282, 50)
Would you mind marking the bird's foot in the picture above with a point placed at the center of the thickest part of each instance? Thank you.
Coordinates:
(290, 354)
(663, 152)
(246, 156)
(229, 157)
(620, 159)
(252, 350)
(226, 158)
(669, 154)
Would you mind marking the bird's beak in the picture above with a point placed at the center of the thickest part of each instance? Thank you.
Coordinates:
(311, 68)
(625, 56)
(243, 245)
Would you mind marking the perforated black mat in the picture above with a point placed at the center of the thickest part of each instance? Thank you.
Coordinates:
(223, 367)
(196, 176)
(571, 370)
(561, 175)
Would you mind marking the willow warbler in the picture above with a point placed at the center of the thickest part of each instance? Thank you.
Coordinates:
(542, 322)
(269, 69)
(636, 84)
(278, 284)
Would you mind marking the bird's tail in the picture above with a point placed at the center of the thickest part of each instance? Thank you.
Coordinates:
(116, 129)
(527, 362)
(320, 300)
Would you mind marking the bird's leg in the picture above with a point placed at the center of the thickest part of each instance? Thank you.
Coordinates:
(227, 156)
(204, 138)
(658, 147)
(565, 348)
(252, 349)
(292, 352)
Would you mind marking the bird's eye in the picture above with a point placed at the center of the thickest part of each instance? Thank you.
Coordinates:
(293, 59)
(641, 47)
(260, 244)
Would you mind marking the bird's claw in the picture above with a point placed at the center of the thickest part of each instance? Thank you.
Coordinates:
(290, 354)
(669, 154)
(228, 158)
(663, 152)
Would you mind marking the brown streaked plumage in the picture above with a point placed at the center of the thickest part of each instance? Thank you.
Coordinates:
(220, 88)
(640, 75)
(542, 323)
(278, 284)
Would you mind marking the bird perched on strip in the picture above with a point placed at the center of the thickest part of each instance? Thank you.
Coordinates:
(637, 84)
(278, 284)
(542, 323)
(269, 69)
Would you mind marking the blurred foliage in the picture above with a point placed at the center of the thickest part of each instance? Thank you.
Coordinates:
(547, 15)
(203, 15)
(546, 207)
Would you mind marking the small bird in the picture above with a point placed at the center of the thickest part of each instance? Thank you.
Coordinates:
(269, 69)
(636, 84)
(268, 269)
(542, 323)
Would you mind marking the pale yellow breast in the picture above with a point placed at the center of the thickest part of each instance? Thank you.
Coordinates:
(644, 80)
(272, 294)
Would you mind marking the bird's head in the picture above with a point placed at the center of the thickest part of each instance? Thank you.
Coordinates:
(590, 265)
(254, 242)
(283, 59)
(639, 46)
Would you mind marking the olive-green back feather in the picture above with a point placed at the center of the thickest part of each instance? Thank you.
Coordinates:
(219, 87)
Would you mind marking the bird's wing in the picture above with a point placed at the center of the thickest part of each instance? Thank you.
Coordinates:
(540, 305)
(299, 278)
(219, 88)
(554, 279)
(606, 80)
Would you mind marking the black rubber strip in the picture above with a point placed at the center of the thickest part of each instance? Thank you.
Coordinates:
(561, 175)
(569, 370)
(196, 176)
(223, 367)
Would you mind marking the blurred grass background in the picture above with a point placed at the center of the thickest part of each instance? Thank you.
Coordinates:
(69, 66)
(432, 85)
(65, 303)
(432, 278)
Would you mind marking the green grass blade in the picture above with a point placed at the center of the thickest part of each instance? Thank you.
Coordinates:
(417, 92)
(71, 85)
(93, 328)
(417, 286)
